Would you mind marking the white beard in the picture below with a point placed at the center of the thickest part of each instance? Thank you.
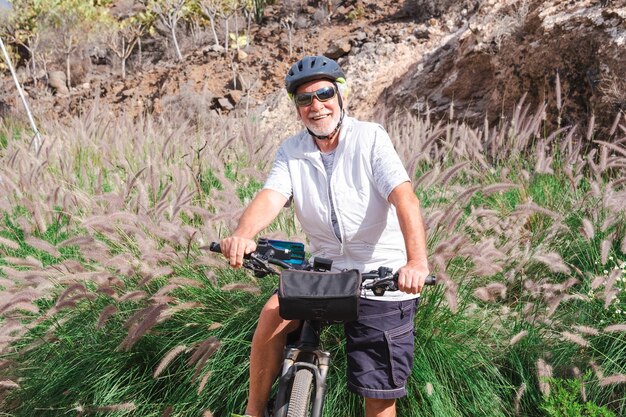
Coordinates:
(325, 128)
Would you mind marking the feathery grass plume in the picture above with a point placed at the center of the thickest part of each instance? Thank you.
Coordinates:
(597, 370)
(180, 307)
(207, 413)
(168, 358)
(8, 384)
(42, 245)
(202, 353)
(591, 127)
(575, 338)
(115, 407)
(105, 314)
(8, 301)
(613, 379)
(544, 373)
(483, 294)
(558, 93)
(168, 411)
(165, 290)
(133, 296)
(605, 247)
(497, 188)
(19, 306)
(9, 243)
(203, 382)
(27, 261)
(240, 286)
(77, 241)
(532, 207)
(187, 282)
(519, 393)
(586, 330)
(140, 323)
(450, 173)
(553, 261)
(519, 336)
(615, 328)
(597, 282)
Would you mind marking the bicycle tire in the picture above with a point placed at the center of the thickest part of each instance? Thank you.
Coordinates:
(300, 399)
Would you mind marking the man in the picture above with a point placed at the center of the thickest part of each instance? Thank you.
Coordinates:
(357, 207)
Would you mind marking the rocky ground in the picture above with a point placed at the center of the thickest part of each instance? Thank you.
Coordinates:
(479, 57)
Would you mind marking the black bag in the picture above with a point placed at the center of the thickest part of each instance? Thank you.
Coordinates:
(308, 295)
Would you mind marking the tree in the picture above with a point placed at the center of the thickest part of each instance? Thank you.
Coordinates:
(169, 12)
(123, 38)
(75, 21)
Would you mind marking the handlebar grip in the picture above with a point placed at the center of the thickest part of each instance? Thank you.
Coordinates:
(215, 247)
(430, 280)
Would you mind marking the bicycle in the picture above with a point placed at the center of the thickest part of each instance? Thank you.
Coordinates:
(302, 381)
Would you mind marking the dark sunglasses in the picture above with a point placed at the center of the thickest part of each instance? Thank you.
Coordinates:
(323, 94)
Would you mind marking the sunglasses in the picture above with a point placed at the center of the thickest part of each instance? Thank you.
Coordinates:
(323, 94)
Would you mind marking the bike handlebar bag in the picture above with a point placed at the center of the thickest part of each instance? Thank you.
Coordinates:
(310, 295)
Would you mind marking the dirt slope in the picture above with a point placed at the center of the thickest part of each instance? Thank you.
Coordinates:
(480, 56)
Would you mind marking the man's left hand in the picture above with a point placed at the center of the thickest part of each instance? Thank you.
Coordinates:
(411, 277)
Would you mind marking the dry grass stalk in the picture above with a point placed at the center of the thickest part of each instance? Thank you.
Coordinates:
(168, 358)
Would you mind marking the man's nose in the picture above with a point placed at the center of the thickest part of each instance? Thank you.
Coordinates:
(316, 104)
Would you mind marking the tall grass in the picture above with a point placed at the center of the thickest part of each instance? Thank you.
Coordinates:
(111, 305)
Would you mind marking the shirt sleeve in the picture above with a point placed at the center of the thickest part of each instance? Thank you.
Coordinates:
(387, 167)
(279, 178)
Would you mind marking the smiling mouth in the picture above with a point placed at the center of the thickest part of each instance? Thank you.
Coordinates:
(320, 117)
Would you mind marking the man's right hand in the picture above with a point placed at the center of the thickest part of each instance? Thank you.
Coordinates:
(234, 248)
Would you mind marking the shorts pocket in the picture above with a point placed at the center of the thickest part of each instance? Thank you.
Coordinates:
(401, 343)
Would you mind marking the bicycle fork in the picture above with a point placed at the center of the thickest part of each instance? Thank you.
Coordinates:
(306, 355)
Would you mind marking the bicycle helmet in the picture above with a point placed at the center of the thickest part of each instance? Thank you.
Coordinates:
(312, 68)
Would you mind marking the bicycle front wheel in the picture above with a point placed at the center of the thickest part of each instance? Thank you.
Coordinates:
(300, 399)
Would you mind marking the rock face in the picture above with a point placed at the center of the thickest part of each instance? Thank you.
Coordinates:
(513, 49)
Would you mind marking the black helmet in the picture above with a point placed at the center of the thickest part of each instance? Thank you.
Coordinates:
(312, 68)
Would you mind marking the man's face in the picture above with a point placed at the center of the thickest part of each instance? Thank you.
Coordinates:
(321, 117)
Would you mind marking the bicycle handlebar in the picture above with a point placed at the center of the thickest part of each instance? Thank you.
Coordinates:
(259, 262)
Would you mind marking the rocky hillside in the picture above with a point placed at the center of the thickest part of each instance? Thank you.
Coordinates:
(456, 59)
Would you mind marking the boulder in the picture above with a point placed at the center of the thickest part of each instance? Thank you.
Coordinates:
(58, 82)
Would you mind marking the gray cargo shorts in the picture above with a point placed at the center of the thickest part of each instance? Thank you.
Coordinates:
(379, 348)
